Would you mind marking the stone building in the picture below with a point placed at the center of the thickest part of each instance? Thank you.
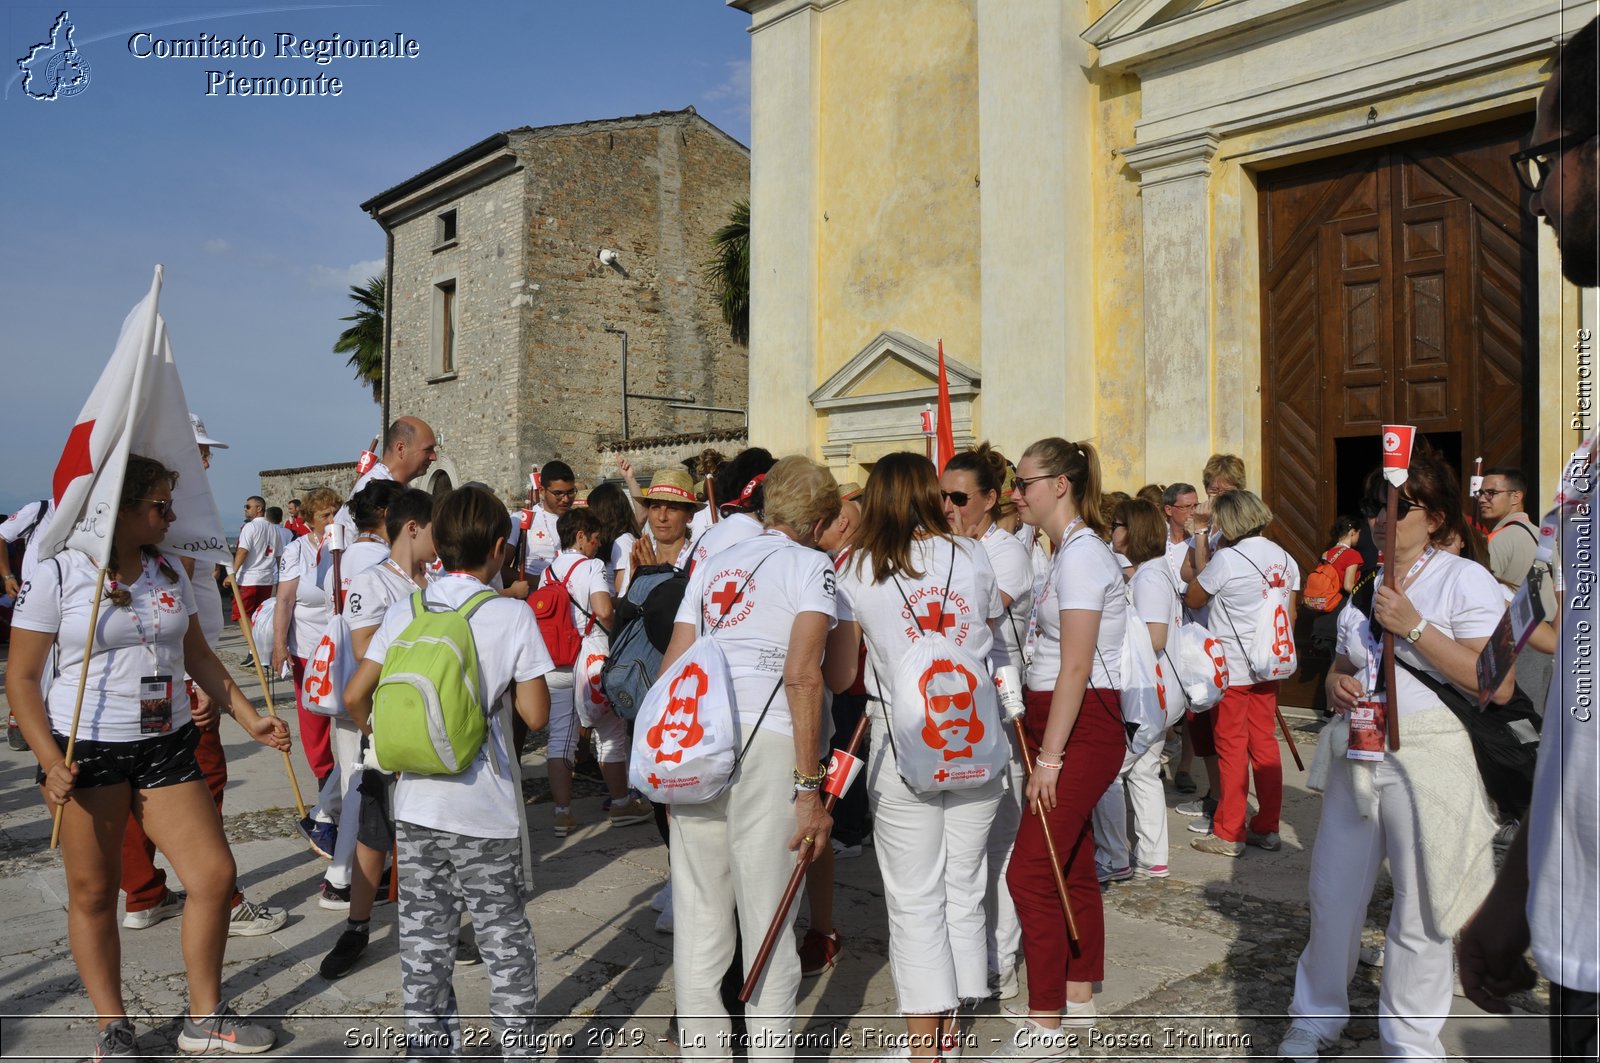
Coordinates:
(1172, 227)
(529, 271)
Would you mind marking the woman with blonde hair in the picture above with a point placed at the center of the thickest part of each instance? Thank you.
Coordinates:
(1234, 584)
(769, 602)
(911, 573)
(1074, 726)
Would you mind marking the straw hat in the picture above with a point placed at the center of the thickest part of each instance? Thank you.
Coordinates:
(849, 490)
(671, 485)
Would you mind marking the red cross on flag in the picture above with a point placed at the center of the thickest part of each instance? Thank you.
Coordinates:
(137, 407)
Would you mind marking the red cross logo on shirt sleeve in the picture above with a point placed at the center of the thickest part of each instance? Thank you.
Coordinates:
(729, 596)
(936, 619)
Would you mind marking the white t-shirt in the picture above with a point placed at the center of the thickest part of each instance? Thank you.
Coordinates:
(1233, 578)
(701, 523)
(1457, 596)
(621, 562)
(893, 612)
(208, 604)
(285, 537)
(309, 564)
(259, 540)
(479, 802)
(1083, 575)
(540, 543)
(379, 471)
(752, 610)
(721, 535)
(142, 639)
(1013, 575)
(585, 577)
(1564, 820)
(1155, 598)
(13, 527)
(373, 591)
(1177, 554)
(357, 559)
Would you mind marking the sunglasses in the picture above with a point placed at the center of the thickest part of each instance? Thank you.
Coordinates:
(1118, 524)
(1374, 506)
(1020, 484)
(960, 498)
(162, 506)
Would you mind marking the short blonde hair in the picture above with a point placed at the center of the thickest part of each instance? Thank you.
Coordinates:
(1240, 514)
(799, 493)
(320, 498)
(1229, 467)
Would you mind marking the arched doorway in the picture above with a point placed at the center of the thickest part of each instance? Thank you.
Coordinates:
(439, 483)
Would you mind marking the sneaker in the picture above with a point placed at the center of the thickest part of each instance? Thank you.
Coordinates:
(1269, 841)
(1003, 985)
(664, 920)
(565, 824)
(818, 952)
(1217, 846)
(1183, 782)
(1201, 825)
(1034, 1042)
(467, 954)
(224, 1031)
(1079, 1015)
(1197, 807)
(1370, 955)
(663, 898)
(321, 837)
(633, 810)
(1114, 874)
(342, 958)
(1300, 1045)
(841, 851)
(15, 740)
(334, 898)
(249, 661)
(252, 920)
(1153, 871)
(1502, 837)
(171, 905)
(117, 1040)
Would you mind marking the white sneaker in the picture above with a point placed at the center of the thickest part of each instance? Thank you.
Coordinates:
(252, 920)
(171, 905)
(1301, 1045)
(1003, 986)
(1034, 1042)
(663, 898)
(664, 920)
(1371, 956)
(1079, 1016)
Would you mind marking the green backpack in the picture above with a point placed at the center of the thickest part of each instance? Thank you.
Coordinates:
(428, 711)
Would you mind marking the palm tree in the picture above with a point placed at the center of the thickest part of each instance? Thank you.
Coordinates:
(363, 341)
(728, 272)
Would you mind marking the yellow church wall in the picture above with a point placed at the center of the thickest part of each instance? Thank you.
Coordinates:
(898, 180)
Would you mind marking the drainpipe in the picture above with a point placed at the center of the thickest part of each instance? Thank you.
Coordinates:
(388, 317)
(624, 334)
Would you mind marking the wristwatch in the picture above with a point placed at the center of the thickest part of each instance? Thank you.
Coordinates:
(1415, 633)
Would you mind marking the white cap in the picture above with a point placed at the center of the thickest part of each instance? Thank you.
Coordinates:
(200, 435)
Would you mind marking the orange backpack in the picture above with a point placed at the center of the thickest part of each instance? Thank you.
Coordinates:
(1325, 586)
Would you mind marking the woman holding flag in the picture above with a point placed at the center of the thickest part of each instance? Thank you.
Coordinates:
(731, 855)
(134, 751)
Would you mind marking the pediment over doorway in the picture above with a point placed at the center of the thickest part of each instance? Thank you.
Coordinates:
(894, 369)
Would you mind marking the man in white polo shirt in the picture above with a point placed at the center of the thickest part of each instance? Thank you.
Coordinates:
(255, 562)
(409, 447)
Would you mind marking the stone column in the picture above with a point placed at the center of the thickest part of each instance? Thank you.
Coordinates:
(1179, 409)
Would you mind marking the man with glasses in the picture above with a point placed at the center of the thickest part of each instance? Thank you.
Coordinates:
(540, 544)
(1513, 538)
(1548, 893)
(1179, 502)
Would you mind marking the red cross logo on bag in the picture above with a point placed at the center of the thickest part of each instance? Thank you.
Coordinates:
(951, 711)
(679, 727)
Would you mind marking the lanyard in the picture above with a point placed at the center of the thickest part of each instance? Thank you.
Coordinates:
(148, 642)
(1413, 572)
(1372, 634)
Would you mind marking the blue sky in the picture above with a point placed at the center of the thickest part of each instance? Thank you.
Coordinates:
(251, 204)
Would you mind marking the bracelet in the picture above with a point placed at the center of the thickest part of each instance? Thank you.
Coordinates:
(807, 788)
(1040, 762)
(812, 781)
(1054, 756)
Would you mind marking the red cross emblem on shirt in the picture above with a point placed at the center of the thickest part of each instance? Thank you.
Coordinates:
(936, 619)
(539, 534)
(167, 600)
(729, 596)
(941, 775)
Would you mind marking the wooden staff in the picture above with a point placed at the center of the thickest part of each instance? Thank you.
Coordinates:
(1049, 838)
(1289, 738)
(266, 692)
(706, 466)
(77, 708)
(1391, 579)
(796, 880)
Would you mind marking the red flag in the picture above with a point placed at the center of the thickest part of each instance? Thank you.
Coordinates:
(945, 446)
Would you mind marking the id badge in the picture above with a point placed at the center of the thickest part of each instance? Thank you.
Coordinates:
(1369, 721)
(155, 704)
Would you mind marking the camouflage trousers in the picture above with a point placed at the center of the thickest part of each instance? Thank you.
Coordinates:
(441, 875)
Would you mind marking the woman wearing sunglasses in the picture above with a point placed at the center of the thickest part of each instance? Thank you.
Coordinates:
(134, 752)
(970, 487)
(1422, 807)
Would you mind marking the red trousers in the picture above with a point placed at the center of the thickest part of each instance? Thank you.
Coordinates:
(144, 882)
(252, 597)
(1093, 757)
(313, 727)
(1247, 742)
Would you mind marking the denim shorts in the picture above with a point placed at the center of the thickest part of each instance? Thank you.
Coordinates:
(148, 764)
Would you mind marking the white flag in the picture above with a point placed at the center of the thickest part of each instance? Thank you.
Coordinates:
(136, 407)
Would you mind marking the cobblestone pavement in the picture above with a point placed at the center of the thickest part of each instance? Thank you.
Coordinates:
(1200, 966)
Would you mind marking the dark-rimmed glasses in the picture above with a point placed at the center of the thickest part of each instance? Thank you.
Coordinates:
(162, 506)
(960, 498)
(1533, 164)
(1371, 507)
(1020, 484)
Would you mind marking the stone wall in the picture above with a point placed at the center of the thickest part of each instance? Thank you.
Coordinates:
(658, 452)
(280, 485)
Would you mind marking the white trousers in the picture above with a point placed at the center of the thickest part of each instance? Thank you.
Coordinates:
(932, 853)
(733, 853)
(338, 801)
(1005, 932)
(610, 733)
(1140, 780)
(1418, 976)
